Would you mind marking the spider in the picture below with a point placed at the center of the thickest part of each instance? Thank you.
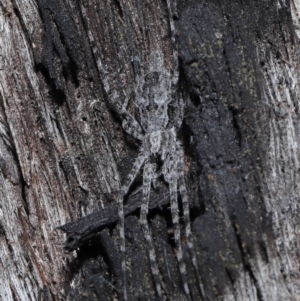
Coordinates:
(154, 91)
(158, 137)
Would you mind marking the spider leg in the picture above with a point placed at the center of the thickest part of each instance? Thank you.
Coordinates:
(148, 175)
(175, 77)
(130, 125)
(142, 102)
(186, 214)
(173, 39)
(170, 174)
(136, 167)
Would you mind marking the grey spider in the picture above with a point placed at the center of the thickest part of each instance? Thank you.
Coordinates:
(158, 137)
(154, 92)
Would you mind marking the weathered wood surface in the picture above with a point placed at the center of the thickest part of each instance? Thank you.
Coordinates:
(63, 153)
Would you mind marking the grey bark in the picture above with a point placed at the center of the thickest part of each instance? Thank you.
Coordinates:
(64, 155)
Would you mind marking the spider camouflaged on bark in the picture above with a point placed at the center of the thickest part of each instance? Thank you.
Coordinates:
(155, 90)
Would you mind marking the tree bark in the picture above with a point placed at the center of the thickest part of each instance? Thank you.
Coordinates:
(64, 154)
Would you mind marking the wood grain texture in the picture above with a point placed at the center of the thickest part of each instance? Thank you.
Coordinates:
(64, 155)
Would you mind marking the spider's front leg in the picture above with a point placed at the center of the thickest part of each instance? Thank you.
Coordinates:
(175, 77)
(130, 125)
(148, 175)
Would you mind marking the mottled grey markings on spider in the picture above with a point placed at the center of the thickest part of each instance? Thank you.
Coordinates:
(155, 90)
(158, 136)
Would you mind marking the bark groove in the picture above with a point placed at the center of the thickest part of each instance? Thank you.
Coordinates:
(64, 155)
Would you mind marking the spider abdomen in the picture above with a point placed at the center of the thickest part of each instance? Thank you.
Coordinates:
(160, 142)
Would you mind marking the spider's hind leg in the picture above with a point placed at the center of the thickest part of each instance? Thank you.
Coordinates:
(170, 174)
(148, 175)
(186, 214)
(122, 243)
(136, 167)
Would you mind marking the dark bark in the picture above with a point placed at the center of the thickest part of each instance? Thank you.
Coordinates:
(64, 155)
